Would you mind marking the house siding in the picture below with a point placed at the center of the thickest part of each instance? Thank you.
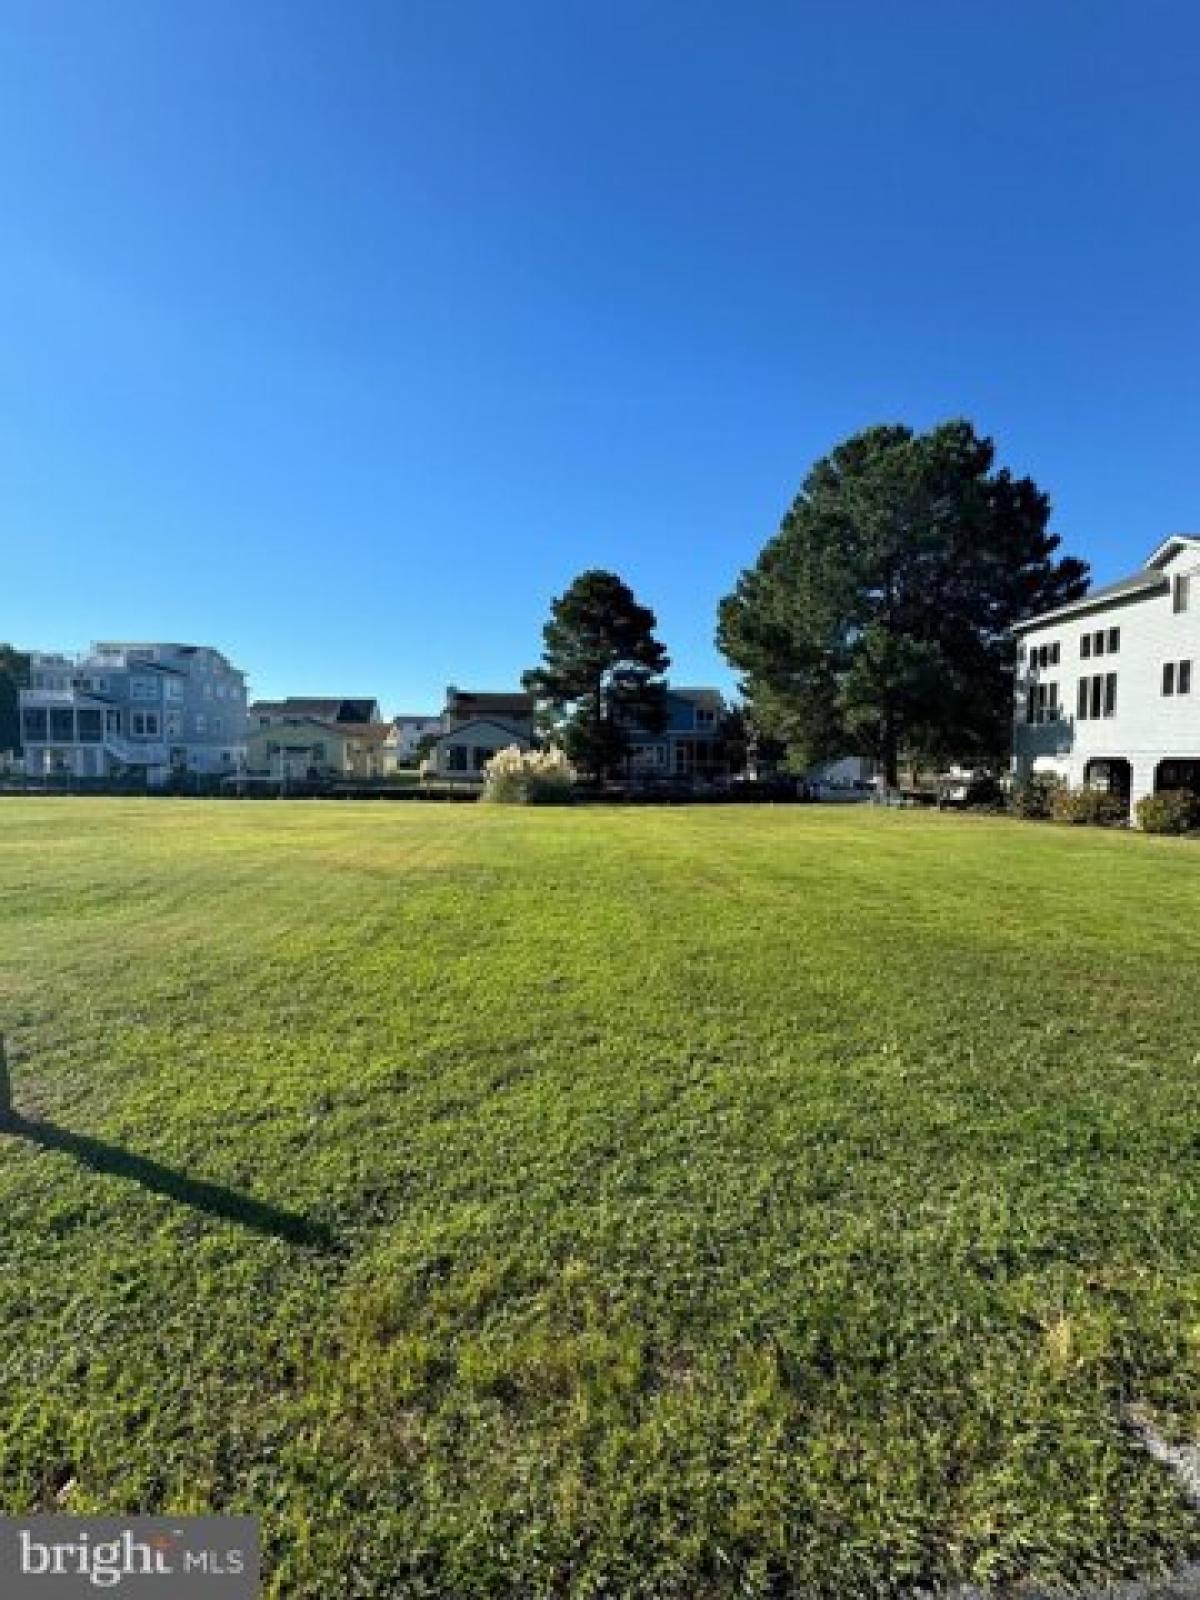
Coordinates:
(1147, 727)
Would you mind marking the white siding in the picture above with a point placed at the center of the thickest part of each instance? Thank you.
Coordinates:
(1148, 726)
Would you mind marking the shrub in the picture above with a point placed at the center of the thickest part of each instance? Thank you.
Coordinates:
(1033, 799)
(516, 777)
(1172, 811)
(1088, 808)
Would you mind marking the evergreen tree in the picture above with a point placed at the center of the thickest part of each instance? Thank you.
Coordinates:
(601, 671)
(14, 676)
(877, 620)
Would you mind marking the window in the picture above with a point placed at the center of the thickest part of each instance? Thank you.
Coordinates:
(705, 717)
(1031, 704)
(1098, 642)
(143, 689)
(62, 725)
(33, 725)
(456, 758)
(174, 689)
(1055, 653)
(1043, 703)
(201, 722)
(174, 725)
(1114, 641)
(90, 727)
(1085, 646)
(1097, 697)
(1180, 587)
(1177, 677)
(144, 724)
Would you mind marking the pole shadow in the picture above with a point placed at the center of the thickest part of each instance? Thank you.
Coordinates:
(212, 1198)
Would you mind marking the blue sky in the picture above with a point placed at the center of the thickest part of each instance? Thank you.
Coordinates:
(343, 335)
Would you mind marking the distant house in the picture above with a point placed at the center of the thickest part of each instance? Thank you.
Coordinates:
(689, 745)
(409, 728)
(474, 726)
(338, 710)
(133, 709)
(303, 749)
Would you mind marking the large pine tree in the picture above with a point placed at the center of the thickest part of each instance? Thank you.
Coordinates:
(601, 671)
(877, 619)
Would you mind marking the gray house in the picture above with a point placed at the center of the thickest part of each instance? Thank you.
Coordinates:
(133, 709)
(1107, 692)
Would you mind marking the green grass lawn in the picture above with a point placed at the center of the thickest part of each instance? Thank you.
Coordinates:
(682, 1202)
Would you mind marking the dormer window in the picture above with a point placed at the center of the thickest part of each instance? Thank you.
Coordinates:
(1180, 591)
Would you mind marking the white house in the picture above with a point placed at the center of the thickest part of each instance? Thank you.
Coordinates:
(142, 709)
(474, 726)
(1106, 687)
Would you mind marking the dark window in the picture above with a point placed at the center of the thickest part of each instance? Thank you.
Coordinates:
(62, 725)
(90, 730)
(1168, 677)
(1097, 696)
(1030, 705)
(1185, 677)
(1110, 694)
(456, 758)
(1085, 646)
(1179, 591)
(33, 725)
(1055, 652)
(1114, 641)
(1098, 642)
(1081, 709)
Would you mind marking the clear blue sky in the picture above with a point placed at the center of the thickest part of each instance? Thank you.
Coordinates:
(342, 335)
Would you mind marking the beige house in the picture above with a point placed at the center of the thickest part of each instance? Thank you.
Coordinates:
(302, 749)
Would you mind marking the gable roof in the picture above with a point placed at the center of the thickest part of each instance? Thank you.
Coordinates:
(1174, 542)
(343, 709)
(459, 728)
(1149, 580)
(713, 699)
(469, 702)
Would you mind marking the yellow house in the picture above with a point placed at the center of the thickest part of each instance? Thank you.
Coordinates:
(306, 748)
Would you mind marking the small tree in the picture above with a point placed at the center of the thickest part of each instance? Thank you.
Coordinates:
(601, 672)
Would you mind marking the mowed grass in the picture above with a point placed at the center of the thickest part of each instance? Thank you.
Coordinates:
(687, 1202)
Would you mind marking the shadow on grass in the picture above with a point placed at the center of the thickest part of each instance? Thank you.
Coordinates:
(210, 1197)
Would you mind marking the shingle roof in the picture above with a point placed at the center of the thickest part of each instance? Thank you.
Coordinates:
(345, 708)
(469, 700)
(1144, 582)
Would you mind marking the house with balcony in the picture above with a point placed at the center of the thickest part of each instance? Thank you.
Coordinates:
(1106, 687)
(133, 709)
(689, 745)
(308, 749)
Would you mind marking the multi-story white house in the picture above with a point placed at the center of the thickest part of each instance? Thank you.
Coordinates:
(1107, 687)
(141, 709)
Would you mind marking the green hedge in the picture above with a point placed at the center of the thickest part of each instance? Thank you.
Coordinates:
(1172, 811)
